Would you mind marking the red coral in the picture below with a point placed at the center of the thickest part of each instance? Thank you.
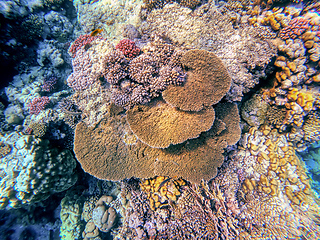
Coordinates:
(296, 27)
(38, 104)
(128, 48)
(82, 40)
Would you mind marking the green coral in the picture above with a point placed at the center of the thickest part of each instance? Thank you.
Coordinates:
(33, 170)
(70, 215)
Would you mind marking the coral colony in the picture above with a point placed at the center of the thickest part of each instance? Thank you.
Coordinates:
(160, 119)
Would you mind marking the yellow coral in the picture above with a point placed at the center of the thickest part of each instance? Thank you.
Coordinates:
(278, 166)
(305, 100)
(162, 191)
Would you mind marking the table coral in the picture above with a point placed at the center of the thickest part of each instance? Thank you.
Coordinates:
(162, 125)
(33, 170)
(207, 82)
(103, 153)
(203, 155)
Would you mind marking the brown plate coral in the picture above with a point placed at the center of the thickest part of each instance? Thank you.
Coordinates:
(104, 152)
(161, 125)
(207, 82)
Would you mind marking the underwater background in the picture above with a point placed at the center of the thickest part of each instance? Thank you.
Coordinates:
(159, 119)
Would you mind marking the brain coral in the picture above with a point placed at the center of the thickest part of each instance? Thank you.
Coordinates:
(207, 82)
(104, 152)
(162, 125)
(33, 170)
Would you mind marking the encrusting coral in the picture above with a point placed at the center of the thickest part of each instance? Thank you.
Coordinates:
(207, 82)
(161, 125)
(33, 170)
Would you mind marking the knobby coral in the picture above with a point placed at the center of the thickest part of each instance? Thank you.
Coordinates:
(139, 79)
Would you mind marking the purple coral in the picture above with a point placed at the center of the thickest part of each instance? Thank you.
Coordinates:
(115, 67)
(81, 78)
(38, 104)
(82, 40)
(296, 27)
(138, 80)
(49, 84)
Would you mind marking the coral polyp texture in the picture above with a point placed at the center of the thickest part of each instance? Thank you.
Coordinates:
(207, 82)
(32, 170)
(161, 125)
(83, 41)
(296, 27)
(38, 104)
(139, 79)
(128, 48)
(244, 54)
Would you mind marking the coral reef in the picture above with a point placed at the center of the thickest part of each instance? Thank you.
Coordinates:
(278, 170)
(94, 147)
(296, 27)
(108, 16)
(83, 41)
(254, 110)
(38, 104)
(162, 191)
(81, 78)
(60, 26)
(207, 82)
(128, 48)
(244, 54)
(162, 125)
(70, 215)
(311, 127)
(151, 4)
(48, 52)
(138, 80)
(33, 170)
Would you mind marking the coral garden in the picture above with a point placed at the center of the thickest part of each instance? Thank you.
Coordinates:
(160, 119)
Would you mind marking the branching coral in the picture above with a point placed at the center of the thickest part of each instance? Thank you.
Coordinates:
(141, 78)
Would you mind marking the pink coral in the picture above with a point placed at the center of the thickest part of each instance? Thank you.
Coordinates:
(128, 47)
(49, 84)
(296, 27)
(81, 77)
(38, 104)
(82, 40)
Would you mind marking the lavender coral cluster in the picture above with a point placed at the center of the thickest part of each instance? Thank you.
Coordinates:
(139, 79)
